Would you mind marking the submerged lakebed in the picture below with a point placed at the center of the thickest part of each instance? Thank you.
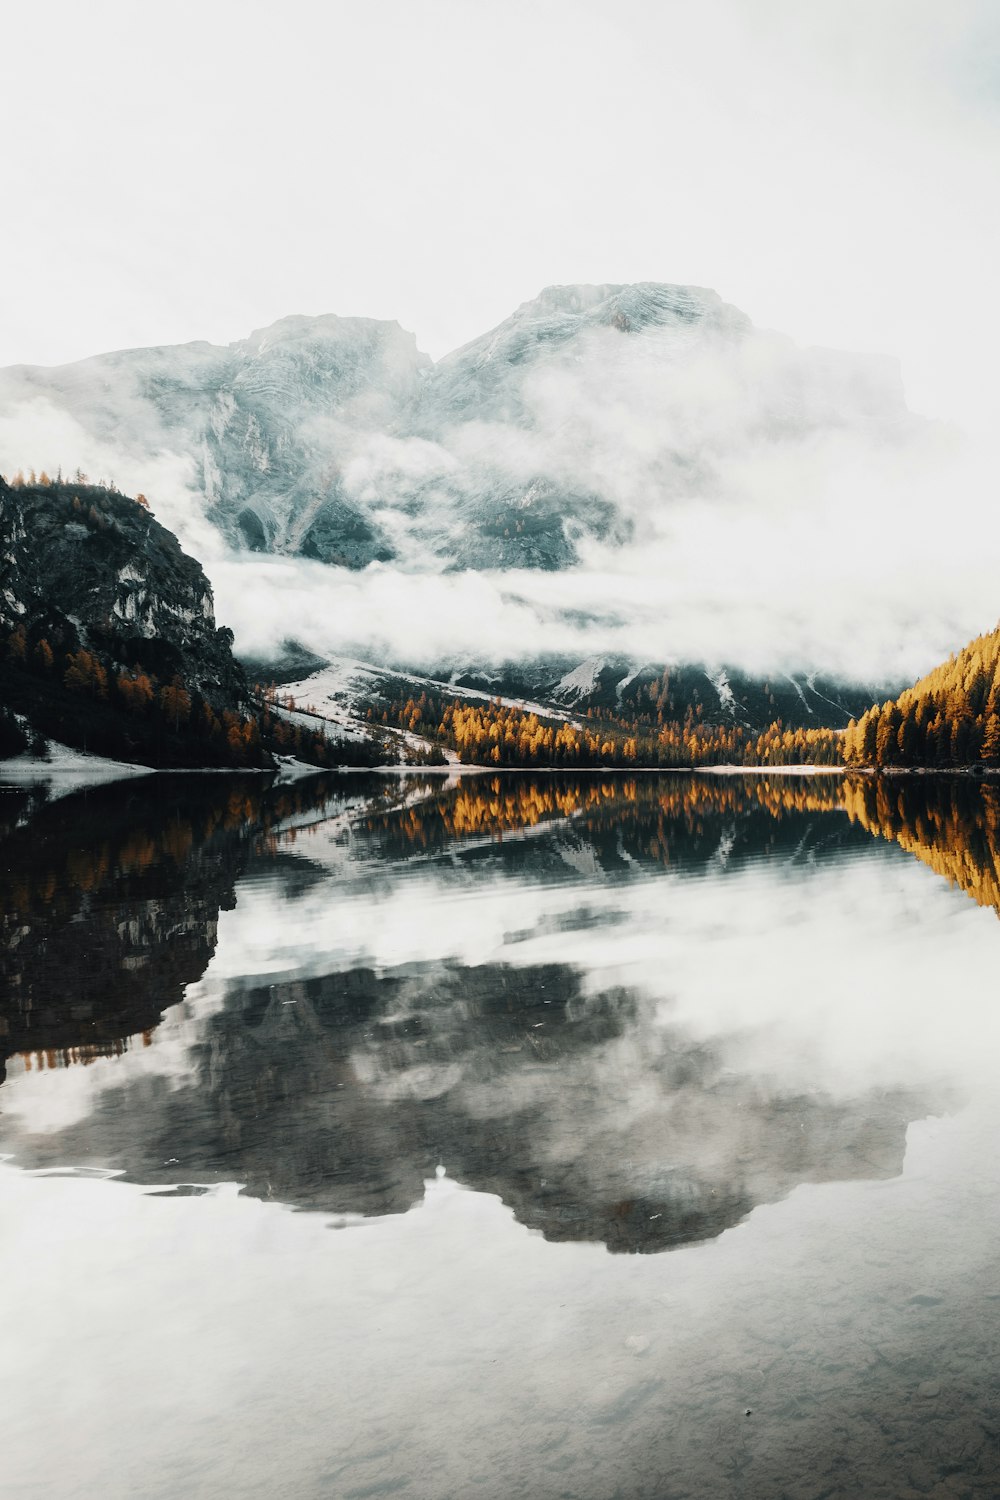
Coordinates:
(549, 1136)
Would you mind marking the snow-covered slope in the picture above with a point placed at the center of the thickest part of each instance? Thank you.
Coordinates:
(343, 690)
(583, 683)
(581, 419)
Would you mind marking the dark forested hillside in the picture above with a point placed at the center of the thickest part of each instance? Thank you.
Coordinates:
(108, 640)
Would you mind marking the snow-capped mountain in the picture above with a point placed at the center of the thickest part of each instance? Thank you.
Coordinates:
(583, 418)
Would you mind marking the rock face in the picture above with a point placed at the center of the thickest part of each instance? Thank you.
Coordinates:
(108, 641)
(583, 417)
(87, 567)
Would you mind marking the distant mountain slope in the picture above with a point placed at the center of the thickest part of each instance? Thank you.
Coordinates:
(669, 718)
(583, 417)
(718, 695)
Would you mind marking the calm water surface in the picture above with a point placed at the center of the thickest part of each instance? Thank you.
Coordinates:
(542, 1137)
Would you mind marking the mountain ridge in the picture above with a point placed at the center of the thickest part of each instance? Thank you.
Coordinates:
(579, 420)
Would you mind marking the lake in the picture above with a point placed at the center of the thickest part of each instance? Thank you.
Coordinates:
(531, 1135)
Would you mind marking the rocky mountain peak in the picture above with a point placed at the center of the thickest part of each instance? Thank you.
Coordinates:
(327, 328)
(580, 419)
(641, 304)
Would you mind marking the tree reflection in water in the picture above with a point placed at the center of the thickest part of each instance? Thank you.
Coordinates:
(342, 1089)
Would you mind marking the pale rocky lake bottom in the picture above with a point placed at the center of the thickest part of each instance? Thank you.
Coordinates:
(578, 1139)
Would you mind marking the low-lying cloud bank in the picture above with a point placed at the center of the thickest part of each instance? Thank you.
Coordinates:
(418, 619)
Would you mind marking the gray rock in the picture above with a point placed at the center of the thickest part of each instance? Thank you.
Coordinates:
(87, 567)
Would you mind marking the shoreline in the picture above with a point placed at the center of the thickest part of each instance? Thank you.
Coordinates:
(809, 770)
(81, 768)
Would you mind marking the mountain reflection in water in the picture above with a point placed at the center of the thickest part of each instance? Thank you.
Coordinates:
(365, 1029)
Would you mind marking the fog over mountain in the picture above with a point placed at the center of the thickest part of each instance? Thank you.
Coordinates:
(614, 468)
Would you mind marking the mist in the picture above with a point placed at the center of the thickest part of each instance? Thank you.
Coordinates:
(771, 509)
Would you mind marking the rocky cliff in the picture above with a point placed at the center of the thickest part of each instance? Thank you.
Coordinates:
(107, 629)
(95, 569)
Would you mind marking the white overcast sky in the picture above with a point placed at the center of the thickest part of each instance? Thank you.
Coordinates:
(196, 170)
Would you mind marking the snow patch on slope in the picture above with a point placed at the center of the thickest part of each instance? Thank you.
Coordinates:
(805, 701)
(627, 680)
(720, 681)
(582, 681)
